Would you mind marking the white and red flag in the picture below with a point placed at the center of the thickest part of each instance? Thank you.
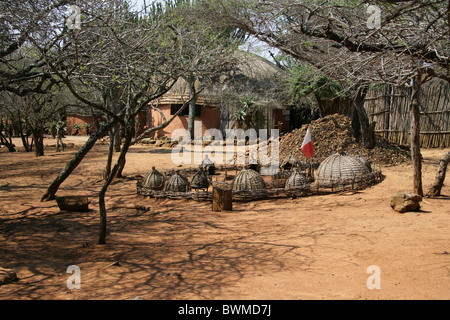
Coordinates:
(307, 146)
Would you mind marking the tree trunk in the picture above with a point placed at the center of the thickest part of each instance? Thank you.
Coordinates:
(121, 167)
(192, 107)
(25, 142)
(367, 129)
(117, 138)
(416, 157)
(435, 190)
(129, 132)
(72, 164)
(107, 171)
(6, 143)
(356, 125)
(140, 123)
(3, 138)
(320, 107)
(23, 136)
(96, 122)
(38, 138)
(102, 193)
(59, 142)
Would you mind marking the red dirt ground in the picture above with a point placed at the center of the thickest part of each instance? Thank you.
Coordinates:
(316, 247)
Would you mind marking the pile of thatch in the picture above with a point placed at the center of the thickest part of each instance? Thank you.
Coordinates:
(333, 131)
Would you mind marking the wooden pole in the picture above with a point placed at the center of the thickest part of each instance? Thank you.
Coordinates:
(435, 190)
(415, 136)
(222, 199)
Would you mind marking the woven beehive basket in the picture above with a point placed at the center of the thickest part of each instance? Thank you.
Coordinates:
(340, 169)
(200, 180)
(154, 180)
(297, 180)
(208, 166)
(365, 162)
(248, 180)
(290, 162)
(177, 183)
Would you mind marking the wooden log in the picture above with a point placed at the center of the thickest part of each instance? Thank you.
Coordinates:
(73, 203)
(222, 199)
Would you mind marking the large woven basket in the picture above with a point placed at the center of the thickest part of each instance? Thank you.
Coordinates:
(340, 169)
(297, 181)
(365, 162)
(291, 161)
(208, 166)
(177, 183)
(248, 180)
(154, 180)
(200, 180)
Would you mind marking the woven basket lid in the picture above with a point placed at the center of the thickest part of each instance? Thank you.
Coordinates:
(248, 180)
(291, 160)
(207, 162)
(200, 180)
(207, 165)
(154, 180)
(297, 180)
(177, 183)
(339, 167)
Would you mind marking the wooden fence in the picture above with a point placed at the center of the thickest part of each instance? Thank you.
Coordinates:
(390, 108)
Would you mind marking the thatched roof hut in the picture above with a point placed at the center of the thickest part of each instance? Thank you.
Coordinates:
(252, 77)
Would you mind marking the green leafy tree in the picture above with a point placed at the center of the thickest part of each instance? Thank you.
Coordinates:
(244, 113)
(305, 81)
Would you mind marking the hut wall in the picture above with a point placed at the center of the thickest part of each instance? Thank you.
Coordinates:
(282, 120)
(71, 120)
(390, 108)
(209, 119)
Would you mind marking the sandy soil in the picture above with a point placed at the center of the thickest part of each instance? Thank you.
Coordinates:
(317, 247)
